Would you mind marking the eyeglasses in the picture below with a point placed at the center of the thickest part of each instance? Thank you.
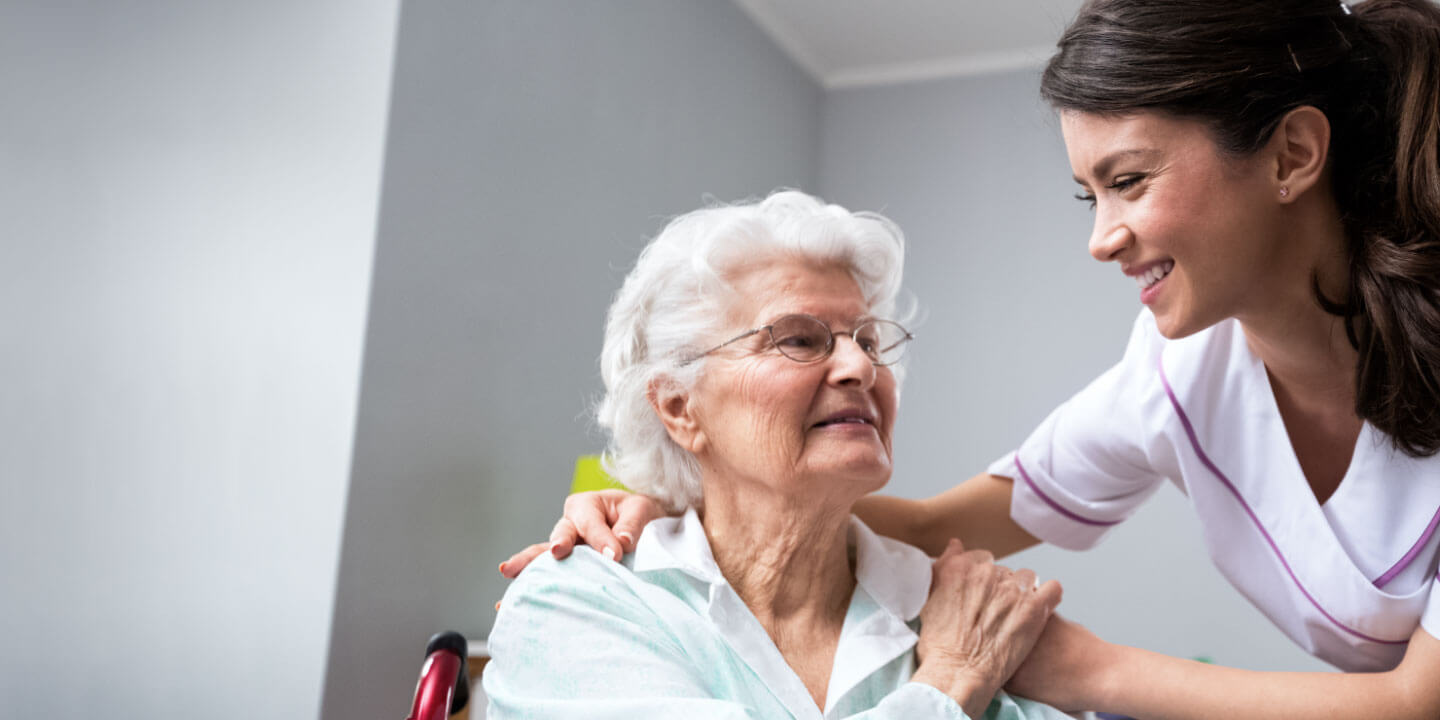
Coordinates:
(807, 339)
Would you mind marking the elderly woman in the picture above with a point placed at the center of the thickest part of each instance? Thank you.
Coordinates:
(750, 383)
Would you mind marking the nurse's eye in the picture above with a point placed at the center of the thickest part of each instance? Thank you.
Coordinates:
(1119, 185)
(1125, 182)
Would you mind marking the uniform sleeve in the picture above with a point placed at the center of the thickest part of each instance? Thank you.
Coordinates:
(1430, 619)
(1085, 468)
(578, 641)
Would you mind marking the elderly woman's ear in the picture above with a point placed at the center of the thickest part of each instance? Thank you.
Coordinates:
(673, 405)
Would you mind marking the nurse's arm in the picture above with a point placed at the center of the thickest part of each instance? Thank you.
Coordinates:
(977, 511)
(1145, 684)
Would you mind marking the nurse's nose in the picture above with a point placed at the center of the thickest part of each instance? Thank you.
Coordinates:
(1109, 237)
(849, 365)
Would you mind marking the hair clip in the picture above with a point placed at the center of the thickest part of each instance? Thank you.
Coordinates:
(1294, 59)
(1344, 8)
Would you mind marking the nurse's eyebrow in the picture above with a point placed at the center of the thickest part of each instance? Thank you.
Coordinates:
(1102, 167)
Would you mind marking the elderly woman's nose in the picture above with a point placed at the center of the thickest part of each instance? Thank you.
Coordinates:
(849, 364)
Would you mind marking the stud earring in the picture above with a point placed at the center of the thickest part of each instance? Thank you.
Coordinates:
(1284, 191)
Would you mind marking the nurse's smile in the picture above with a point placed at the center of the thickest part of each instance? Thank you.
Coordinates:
(1150, 277)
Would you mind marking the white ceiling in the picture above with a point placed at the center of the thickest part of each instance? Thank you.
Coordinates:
(849, 43)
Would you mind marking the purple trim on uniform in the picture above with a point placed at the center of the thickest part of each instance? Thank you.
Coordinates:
(1390, 574)
(1026, 477)
(1205, 459)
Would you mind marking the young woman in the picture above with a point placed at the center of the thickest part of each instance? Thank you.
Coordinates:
(1268, 174)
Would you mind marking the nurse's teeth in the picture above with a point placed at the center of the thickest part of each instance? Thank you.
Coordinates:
(1153, 275)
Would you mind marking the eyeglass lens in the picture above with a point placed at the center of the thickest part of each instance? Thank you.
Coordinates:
(806, 339)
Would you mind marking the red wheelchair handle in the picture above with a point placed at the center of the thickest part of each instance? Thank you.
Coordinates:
(444, 686)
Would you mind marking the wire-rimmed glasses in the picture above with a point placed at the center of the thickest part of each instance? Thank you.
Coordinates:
(807, 339)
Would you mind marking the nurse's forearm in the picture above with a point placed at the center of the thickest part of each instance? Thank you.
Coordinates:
(976, 511)
(1148, 685)
(900, 518)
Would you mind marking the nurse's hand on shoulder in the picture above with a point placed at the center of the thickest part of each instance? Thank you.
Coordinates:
(1066, 669)
(979, 623)
(603, 519)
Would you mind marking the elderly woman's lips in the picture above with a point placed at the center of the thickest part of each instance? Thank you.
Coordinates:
(844, 421)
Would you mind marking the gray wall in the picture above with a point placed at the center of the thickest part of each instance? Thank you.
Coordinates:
(188, 197)
(533, 148)
(187, 203)
(1019, 317)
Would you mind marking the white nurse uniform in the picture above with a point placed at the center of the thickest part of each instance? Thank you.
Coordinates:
(1348, 580)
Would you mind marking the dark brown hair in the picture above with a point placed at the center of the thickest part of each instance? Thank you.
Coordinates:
(1374, 70)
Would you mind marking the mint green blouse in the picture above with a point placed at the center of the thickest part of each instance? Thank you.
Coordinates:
(662, 634)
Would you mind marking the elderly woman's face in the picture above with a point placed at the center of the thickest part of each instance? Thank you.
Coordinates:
(769, 419)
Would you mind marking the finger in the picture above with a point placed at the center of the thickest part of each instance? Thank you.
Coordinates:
(631, 516)
(517, 562)
(562, 538)
(1026, 579)
(953, 549)
(982, 556)
(628, 534)
(590, 521)
(1050, 593)
(944, 566)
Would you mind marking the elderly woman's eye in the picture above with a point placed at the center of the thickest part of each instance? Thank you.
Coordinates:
(796, 341)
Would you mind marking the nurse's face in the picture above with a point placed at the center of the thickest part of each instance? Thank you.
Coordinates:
(1196, 230)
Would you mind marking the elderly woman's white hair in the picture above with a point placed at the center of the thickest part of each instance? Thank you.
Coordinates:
(674, 301)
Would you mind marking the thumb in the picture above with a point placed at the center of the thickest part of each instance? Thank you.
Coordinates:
(627, 530)
(953, 548)
(1050, 593)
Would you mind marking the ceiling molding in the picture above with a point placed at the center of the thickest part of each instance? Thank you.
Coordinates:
(776, 28)
(845, 44)
(959, 66)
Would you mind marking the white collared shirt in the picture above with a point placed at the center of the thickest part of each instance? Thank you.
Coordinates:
(662, 634)
(1348, 580)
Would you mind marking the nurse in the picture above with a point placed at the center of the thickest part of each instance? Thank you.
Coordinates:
(1268, 174)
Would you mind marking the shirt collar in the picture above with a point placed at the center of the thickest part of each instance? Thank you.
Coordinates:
(895, 575)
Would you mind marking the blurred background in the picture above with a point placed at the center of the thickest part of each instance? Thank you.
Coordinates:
(300, 305)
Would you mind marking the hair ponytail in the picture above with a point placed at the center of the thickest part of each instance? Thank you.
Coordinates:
(1393, 313)
(1374, 70)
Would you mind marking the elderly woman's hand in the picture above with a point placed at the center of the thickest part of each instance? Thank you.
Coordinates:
(978, 625)
(603, 519)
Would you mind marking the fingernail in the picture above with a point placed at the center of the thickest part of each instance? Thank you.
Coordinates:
(608, 552)
(627, 537)
(502, 568)
(554, 550)
(497, 604)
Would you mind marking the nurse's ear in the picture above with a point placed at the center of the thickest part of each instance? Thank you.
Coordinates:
(1300, 147)
(676, 407)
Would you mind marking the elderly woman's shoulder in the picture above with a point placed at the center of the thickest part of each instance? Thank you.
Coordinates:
(584, 579)
(559, 601)
(584, 566)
